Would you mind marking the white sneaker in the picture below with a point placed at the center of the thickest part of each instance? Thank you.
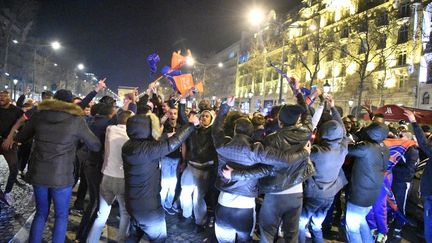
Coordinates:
(9, 199)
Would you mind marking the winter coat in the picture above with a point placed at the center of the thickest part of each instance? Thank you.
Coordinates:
(141, 156)
(57, 127)
(328, 156)
(404, 170)
(290, 138)
(98, 126)
(426, 180)
(200, 148)
(240, 153)
(370, 163)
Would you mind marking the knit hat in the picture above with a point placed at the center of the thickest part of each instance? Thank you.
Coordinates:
(289, 114)
(64, 95)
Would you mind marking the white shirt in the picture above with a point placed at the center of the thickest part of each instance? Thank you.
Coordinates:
(230, 200)
(115, 137)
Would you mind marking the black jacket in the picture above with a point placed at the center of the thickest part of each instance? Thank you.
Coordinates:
(371, 157)
(328, 156)
(426, 180)
(56, 127)
(290, 138)
(240, 153)
(98, 126)
(141, 155)
(200, 148)
(405, 169)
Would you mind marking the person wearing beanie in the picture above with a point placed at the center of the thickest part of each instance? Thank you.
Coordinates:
(201, 156)
(56, 129)
(142, 154)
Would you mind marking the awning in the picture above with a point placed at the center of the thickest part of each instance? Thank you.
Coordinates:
(395, 113)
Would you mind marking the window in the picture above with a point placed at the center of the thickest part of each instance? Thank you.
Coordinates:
(425, 98)
(402, 81)
(344, 32)
(382, 19)
(381, 63)
(382, 42)
(344, 51)
(305, 46)
(363, 26)
(402, 59)
(343, 71)
(404, 10)
(403, 34)
(329, 56)
(362, 47)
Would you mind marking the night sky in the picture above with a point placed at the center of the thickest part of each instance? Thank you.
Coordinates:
(114, 37)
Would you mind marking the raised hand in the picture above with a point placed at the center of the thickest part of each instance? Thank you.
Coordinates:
(410, 115)
(330, 100)
(101, 85)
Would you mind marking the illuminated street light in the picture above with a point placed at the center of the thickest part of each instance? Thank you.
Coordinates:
(256, 17)
(6, 86)
(190, 61)
(220, 65)
(326, 87)
(313, 27)
(55, 64)
(15, 81)
(55, 45)
(7, 74)
(15, 41)
(45, 87)
(80, 66)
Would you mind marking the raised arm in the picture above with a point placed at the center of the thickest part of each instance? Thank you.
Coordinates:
(218, 133)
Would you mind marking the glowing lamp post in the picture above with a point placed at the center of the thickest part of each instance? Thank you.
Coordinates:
(15, 82)
(326, 87)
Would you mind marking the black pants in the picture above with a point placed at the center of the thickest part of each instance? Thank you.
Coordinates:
(24, 155)
(277, 208)
(234, 224)
(94, 177)
(150, 223)
(400, 191)
(11, 158)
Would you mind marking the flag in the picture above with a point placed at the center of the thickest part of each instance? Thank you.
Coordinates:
(199, 87)
(184, 83)
(178, 61)
(152, 61)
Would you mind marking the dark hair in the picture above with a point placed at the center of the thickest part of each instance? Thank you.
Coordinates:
(4, 92)
(425, 128)
(351, 117)
(124, 116)
(230, 119)
(108, 100)
(274, 113)
(76, 98)
(258, 121)
(340, 110)
(243, 126)
(379, 115)
(47, 95)
(101, 109)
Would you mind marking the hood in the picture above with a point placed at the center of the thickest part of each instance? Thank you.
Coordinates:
(213, 116)
(376, 132)
(331, 131)
(143, 127)
(62, 109)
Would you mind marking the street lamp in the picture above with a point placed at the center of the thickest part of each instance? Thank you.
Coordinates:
(256, 16)
(55, 45)
(190, 61)
(6, 86)
(45, 87)
(15, 41)
(55, 64)
(80, 66)
(250, 95)
(7, 74)
(326, 87)
(220, 65)
(15, 82)
(350, 104)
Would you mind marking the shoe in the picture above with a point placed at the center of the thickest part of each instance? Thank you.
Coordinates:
(8, 197)
(381, 238)
(170, 211)
(200, 228)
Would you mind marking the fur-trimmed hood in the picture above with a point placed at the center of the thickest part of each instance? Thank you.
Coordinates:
(57, 105)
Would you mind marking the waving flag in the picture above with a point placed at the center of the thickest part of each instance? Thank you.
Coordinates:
(152, 61)
(199, 87)
(184, 83)
(178, 61)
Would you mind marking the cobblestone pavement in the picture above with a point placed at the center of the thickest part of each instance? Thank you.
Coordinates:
(12, 219)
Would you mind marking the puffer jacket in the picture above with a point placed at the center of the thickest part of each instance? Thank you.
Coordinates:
(57, 127)
(328, 156)
(141, 156)
(290, 138)
(370, 163)
(200, 148)
(240, 153)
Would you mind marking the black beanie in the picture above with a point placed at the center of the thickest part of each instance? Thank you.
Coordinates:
(289, 114)
(63, 95)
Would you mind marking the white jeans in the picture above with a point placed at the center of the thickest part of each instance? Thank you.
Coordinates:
(104, 212)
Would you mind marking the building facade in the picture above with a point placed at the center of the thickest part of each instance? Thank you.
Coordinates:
(365, 50)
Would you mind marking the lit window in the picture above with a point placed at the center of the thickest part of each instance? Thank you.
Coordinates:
(425, 99)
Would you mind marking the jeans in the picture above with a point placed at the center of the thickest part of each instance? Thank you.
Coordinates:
(234, 224)
(427, 205)
(61, 198)
(314, 212)
(168, 180)
(11, 158)
(194, 185)
(150, 223)
(111, 189)
(356, 226)
(94, 177)
(277, 208)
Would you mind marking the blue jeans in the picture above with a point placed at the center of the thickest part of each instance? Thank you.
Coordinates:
(168, 180)
(61, 198)
(314, 212)
(427, 205)
(356, 226)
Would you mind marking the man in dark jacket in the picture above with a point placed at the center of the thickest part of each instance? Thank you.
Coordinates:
(56, 128)
(201, 157)
(371, 156)
(236, 203)
(141, 157)
(328, 156)
(426, 180)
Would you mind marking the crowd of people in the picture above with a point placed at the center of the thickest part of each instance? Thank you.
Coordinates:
(292, 173)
